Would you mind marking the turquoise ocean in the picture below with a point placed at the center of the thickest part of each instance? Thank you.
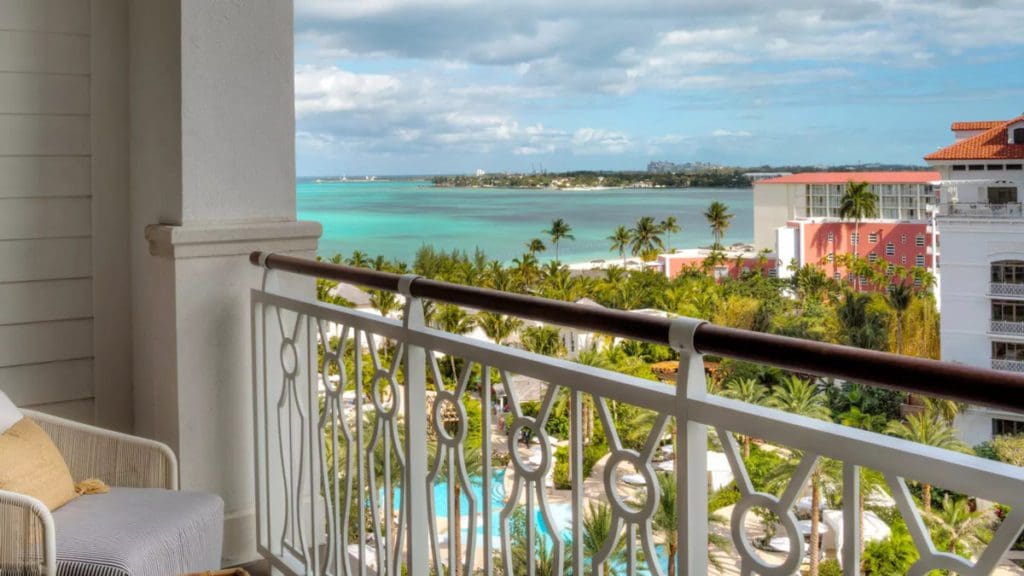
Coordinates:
(395, 218)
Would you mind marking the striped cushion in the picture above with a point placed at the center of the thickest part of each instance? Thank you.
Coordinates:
(139, 532)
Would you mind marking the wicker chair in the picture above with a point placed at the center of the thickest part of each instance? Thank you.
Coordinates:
(132, 530)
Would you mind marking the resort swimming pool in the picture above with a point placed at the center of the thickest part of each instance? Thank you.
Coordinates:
(561, 515)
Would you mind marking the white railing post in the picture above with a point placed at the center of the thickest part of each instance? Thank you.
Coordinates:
(851, 519)
(414, 491)
(691, 453)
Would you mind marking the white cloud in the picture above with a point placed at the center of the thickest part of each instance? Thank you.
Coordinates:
(720, 133)
(598, 141)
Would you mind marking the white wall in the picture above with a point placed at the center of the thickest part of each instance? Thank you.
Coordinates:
(212, 178)
(773, 207)
(969, 246)
(46, 227)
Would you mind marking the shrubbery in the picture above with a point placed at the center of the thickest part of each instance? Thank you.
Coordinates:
(830, 567)
(724, 496)
(591, 454)
(893, 555)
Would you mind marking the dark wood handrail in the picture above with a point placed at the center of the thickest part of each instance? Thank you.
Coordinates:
(981, 386)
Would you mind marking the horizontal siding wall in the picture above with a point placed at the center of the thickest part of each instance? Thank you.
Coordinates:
(46, 294)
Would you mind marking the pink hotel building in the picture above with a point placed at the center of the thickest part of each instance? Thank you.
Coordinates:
(797, 218)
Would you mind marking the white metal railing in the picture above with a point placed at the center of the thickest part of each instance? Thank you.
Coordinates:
(1008, 365)
(1006, 289)
(1008, 327)
(347, 481)
(981, 210)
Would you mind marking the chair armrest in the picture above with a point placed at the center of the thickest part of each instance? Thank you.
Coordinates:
(117, 459)
(27, 536)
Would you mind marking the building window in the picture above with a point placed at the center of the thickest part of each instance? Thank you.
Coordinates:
(917, 282)
(872, 237)
(919, 240)
(1018, 135)
(1008, 272)
(903, 238)
(890, 268)
(919, 260)
(1002, 427)
(773, 272)
(890, 249)
(854, 238)
(1007, 351)
(995, 166)
(1007, 311)
(830, 257)
(831, 237)
(903, 259)
(837, 275)
(863, 279)
(975, 167)
(1002, 194)
(959, 167)
(872, 257)
(1013, 166)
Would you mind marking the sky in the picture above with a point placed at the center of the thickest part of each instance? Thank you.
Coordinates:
(452, 86)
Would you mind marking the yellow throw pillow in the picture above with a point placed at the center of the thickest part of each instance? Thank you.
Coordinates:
(30, 464)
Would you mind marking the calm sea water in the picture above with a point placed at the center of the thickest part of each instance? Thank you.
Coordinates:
(396, 218)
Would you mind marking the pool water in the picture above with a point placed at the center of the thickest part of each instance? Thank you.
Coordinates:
(561, 515)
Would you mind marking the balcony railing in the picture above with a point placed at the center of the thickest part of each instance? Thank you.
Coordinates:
(1007, 327)
(1008, 365)
(1006, 289)
(348, 483)
(981, 210)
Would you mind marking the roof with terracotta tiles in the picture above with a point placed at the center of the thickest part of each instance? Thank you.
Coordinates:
(977, 125)
(992, 144)
(905, 177)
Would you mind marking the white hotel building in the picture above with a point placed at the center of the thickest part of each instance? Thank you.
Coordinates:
(982, 227)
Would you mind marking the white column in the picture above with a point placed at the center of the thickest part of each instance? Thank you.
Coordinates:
(212, 178)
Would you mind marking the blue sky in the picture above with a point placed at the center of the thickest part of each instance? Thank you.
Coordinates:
(450, 86)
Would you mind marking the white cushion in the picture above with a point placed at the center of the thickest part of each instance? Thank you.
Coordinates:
(9, 413)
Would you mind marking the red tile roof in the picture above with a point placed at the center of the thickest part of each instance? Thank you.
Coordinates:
(978, 125)
(922, 177)
(992, 144)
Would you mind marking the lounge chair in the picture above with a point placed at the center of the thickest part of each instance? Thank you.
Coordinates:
(142, 526)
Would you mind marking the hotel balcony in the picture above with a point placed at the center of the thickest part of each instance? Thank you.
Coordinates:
(977, 210)
(330, 451)
(143, 162)
(1008, 365)
(1006, 289)
(1007, 328)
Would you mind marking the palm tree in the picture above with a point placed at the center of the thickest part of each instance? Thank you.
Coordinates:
(453, 320)
(858, 202)
(535, 245)
(669, 226)
(666, 522)
(870, 480)
(803, 397)
(645, 237)
(384, 301)
(560, 230)
(899, 298)
(957, 529)
(473, 455)
(746, 390)
(930, 429)
(620, 240)
(718, 218)
(544, 340)
(359, 259)
(527, 269)
(597, 528)
(498, 327)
